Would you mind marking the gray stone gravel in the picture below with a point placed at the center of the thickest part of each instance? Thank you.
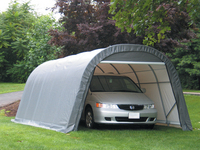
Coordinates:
(9, 98)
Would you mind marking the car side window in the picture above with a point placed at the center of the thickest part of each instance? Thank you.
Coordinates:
(95, 85)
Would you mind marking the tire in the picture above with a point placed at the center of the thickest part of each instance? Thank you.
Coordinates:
(89, 118)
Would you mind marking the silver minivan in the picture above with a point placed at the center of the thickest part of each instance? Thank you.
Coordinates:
(117, 100)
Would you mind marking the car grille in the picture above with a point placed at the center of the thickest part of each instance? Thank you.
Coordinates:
(126, 119)
(130, 107)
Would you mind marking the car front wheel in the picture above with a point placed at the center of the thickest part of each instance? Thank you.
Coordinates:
(89, 119)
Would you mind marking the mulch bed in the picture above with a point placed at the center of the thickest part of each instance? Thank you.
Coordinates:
(11, 109)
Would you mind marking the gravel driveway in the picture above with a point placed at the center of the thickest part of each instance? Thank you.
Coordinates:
(9, 98)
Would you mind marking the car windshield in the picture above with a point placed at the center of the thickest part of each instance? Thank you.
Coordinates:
(113, 84)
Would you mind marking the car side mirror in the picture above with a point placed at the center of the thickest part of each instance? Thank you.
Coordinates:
(143, 90)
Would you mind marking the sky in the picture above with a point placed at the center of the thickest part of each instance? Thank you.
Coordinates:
(39, 6)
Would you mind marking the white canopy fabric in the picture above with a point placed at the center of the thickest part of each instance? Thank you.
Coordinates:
(55, 91)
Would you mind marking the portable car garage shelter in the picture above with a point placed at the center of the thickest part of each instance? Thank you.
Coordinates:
(55, 91)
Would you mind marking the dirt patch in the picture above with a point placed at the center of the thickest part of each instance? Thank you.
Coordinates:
(11, 109)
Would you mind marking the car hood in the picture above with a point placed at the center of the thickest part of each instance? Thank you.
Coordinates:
(121, 98)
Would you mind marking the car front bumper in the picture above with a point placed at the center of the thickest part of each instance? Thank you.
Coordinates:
(118, 116)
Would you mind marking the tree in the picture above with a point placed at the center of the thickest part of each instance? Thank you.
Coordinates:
(187, 60)
(87, 26)
(39, 50)
(24, 41)
(164, 24)
(13, 27)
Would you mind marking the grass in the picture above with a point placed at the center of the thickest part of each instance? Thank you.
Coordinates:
(195, 91)
(17, 136)
(11, 87)
(193, 104)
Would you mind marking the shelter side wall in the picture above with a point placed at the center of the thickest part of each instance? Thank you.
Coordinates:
(167, 110)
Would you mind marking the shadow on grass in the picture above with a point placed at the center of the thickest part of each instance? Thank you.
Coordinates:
(82, 126)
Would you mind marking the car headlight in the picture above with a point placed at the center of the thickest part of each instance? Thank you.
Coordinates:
(148, 106)
(102, 105)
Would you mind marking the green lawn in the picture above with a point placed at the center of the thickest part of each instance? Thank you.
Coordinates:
(17, 136)
(11, 87)
(195, 91)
